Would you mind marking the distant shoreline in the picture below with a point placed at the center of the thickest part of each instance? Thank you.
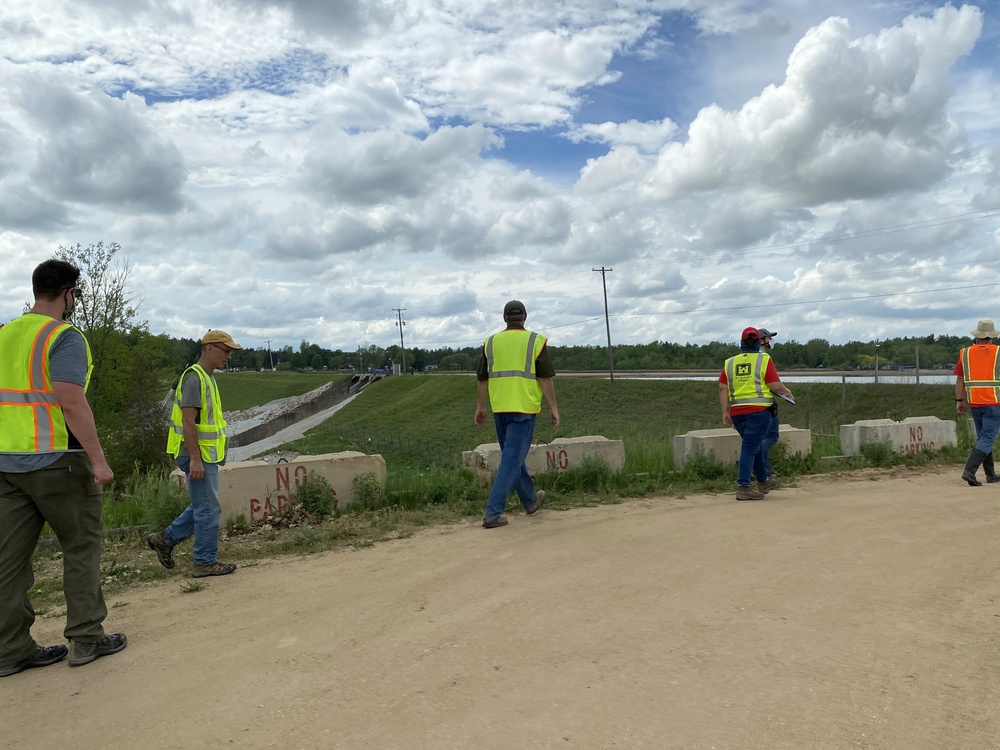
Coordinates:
(713, 373)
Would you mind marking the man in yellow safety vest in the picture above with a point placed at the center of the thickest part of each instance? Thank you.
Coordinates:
(52, 468)
(197, 440)
(515, 370)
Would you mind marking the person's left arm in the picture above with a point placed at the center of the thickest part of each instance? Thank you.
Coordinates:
(544, 372)
(80, 421)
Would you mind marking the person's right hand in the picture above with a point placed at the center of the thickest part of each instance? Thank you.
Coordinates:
(103, 473)
(197, 469)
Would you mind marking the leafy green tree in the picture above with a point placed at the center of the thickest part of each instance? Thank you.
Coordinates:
(132, 368)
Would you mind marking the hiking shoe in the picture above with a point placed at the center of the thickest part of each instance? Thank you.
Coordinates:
(164, 552)
(82, 652)
(212, 569)
(43, 656)
(748, 493)
(495, 523)
(769, 484)
(539, 499)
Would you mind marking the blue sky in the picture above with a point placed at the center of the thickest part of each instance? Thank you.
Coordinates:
(288, 170)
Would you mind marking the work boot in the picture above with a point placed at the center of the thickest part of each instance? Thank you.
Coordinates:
(988, 467)
(539, 499)
(81, 652)
(748, 493)
(770, 483)
(976, 457)
(164, 552)
(212, 569)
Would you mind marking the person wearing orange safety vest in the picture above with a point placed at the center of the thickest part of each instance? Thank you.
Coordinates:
(52, 468)
(197, 440)
(747, 385)
(515, 371)
(977, 387)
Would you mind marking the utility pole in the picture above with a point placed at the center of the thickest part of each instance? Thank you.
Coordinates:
(269, 357)
(400, 323)
(607, 324)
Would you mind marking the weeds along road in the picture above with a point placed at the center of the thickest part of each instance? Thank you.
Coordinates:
(857, 612)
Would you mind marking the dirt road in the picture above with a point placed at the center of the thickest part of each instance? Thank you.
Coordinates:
(845, 613)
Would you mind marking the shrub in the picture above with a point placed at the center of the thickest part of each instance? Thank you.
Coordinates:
(880, 453)
(368, 492)
(316, 495)
(162, 498)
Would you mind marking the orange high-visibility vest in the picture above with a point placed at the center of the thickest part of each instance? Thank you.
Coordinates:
(981, 368)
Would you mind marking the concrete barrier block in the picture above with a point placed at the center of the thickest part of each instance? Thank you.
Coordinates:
(724, 444)
(254, 489)
(558, 456)
(912, 435)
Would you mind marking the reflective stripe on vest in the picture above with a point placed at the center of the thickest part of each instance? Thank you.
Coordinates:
(981, 370)
(32, 418)
(211, 425)
(510, 358)
(751, 389)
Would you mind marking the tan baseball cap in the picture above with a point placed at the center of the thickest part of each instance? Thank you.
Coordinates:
(219, 337)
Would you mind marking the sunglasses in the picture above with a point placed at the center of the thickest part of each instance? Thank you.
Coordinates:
(77, 291)
(225, 349)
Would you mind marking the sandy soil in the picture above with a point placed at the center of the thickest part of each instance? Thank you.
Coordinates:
(845, 613)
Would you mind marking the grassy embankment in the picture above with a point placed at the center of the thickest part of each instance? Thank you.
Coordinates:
(421, 424)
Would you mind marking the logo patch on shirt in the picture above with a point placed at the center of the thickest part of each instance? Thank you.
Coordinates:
(743, 371)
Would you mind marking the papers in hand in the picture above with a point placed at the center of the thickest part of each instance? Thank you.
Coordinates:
(785, 398)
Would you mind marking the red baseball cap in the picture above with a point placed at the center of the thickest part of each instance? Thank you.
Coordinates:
(750, 333)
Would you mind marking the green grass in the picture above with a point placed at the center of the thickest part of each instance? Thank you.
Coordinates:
(422, 422)
(241, 390)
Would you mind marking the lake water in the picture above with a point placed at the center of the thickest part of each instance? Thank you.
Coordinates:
(894, 378)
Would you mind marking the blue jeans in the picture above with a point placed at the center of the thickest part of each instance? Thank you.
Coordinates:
(770, 439)
(987, 421)
(201, 518)
(514, 433)
(752, 428)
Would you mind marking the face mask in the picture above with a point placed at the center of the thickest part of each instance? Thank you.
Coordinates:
(70, 307)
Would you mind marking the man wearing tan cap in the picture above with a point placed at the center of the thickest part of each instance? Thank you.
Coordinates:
(197, 439)
(977, 387)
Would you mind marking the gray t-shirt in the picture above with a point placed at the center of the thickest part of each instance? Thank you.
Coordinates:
(67, 364)
(191, 396)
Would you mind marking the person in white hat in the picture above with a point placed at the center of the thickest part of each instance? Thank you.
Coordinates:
(977, 388)
(197, 440)
(770, 480)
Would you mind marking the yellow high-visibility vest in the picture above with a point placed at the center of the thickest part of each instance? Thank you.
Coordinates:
(211, 425)
(745, 378)
(31, 419)
(981, 370)
(511, 356)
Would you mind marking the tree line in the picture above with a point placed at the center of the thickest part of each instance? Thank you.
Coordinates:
(929, 352)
